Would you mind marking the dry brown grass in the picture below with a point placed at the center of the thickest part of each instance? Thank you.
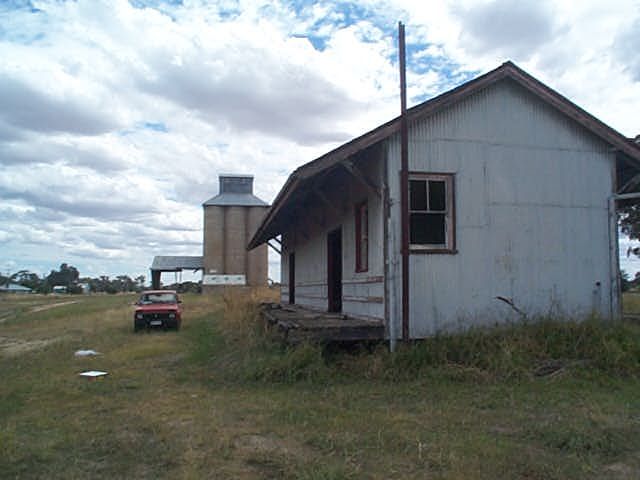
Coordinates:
(241, 309)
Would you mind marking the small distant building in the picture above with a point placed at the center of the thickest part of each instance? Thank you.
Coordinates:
(14, 288)
(231, 218)
(166, 263)
(59, 289)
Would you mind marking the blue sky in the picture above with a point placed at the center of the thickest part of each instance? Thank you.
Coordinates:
(117, 116)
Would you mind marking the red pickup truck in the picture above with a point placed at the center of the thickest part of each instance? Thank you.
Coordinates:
(158, 309)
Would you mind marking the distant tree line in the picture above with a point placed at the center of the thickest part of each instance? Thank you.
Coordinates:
(68, 276)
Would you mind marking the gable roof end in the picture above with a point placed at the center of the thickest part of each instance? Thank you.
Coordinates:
(267, 228)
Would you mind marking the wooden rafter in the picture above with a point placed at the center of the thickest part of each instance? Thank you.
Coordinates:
(301, 224)
(632, 183)
(353, 169)
(324, 199)
(278, 251)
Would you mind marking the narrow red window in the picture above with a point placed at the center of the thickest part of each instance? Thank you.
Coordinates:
(362, 237)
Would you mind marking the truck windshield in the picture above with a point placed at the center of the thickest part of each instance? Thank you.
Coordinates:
(158, 298)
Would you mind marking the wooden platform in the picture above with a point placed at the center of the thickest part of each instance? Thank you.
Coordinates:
(298, 325)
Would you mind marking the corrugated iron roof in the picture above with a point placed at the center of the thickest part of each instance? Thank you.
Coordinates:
(235, 199)
(235, 190)
(176, 264)
(269, 229)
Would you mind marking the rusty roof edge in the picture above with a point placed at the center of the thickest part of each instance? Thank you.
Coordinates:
(361, 142)
(575, 112)
(507, 70)
(275, 207)
(388, 128)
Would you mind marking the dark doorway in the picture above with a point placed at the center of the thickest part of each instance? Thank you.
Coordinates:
(292, 278)
(334, 270)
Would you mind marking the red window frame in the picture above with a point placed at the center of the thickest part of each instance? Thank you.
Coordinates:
(362, 236)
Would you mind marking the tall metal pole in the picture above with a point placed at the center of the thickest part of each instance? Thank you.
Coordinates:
(404, 184)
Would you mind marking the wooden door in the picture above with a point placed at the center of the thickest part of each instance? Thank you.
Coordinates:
(334, 270)
(292, 278)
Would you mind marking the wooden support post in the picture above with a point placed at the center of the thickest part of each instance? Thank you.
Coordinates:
(155, 279)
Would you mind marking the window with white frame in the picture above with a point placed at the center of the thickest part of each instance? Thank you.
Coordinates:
(431, 212)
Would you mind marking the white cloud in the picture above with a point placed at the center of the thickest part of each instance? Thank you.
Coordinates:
(503, 27)
(24, 106)
(627, 49)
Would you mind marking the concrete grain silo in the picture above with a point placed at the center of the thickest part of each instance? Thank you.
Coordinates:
(230, 220)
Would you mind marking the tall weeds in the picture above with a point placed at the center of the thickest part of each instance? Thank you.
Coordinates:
(246, 350)
(538, 348)
(241, 348)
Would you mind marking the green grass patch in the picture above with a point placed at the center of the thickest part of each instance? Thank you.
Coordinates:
(222, 398)
(631, 303)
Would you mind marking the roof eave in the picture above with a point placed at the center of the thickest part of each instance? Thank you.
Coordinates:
(506, 70)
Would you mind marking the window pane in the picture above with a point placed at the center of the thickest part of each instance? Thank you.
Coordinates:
(427, 229)
(437, 196)
(417, 195)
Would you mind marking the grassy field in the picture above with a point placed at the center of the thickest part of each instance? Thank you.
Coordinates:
(221, 399)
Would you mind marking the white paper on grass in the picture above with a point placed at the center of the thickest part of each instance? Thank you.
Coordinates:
(86, 353)
(93, 373)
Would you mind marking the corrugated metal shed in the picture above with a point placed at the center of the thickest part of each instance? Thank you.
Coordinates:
(176, 264)
(14, 288)
(526, 174)
(278, 217)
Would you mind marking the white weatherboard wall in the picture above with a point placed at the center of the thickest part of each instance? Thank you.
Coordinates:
(362, 292)
(531, 190)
